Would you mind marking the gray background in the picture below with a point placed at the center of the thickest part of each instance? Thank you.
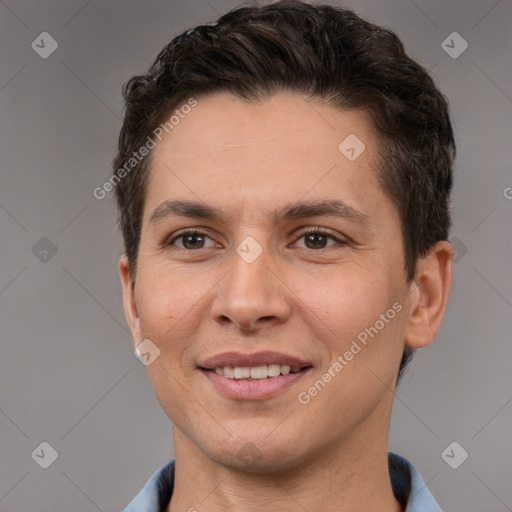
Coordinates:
(68, 375)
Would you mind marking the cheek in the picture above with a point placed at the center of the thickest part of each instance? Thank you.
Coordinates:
(166, 297)
(360, 325)
(172, 303)
(358, 318)
(166, 310)
(346, 301)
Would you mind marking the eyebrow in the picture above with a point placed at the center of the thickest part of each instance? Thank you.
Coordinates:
(297, 210)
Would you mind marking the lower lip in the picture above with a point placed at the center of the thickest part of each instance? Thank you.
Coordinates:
(257, 389)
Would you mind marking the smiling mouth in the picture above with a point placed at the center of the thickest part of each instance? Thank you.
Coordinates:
(256, 372)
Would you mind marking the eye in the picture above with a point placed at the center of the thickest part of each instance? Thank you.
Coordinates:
(317, 238)
(190, 239)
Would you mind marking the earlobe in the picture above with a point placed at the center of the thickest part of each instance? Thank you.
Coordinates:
(129, 303)
(429, 295)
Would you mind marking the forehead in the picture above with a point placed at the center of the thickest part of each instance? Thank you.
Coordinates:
(254, 156)
(287, 123)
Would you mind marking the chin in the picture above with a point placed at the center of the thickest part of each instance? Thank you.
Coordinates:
(256, 454)
(250, 459)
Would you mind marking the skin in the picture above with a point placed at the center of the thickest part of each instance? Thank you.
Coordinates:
(302, 297)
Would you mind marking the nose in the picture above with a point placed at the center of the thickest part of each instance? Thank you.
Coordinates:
(251, 295)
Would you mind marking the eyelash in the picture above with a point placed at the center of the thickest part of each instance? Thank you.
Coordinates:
(308, 231)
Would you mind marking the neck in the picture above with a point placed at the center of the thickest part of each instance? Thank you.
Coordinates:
(353, 475)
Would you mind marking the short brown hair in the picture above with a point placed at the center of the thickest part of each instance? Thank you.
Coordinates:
(328, 54)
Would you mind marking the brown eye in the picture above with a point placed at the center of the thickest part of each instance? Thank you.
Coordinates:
(317, 239)
(193, 241)
(190, 240)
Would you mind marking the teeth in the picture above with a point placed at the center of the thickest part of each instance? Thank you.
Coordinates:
(258, 372)
(255, 372)
(273, 370)
(242, 373)
(285, 370)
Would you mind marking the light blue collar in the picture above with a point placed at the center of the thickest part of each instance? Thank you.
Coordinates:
(407, 484)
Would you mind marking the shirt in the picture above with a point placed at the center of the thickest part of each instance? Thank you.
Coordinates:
(408, 488)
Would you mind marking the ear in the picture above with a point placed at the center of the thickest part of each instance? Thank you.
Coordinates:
(429, 295)
(130, 306)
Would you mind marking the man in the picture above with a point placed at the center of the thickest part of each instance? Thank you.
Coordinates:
(283, 182)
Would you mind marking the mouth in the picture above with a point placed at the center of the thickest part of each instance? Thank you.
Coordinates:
(266, 371)
(253, 376)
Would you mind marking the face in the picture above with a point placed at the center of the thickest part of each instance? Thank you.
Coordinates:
(258, 267)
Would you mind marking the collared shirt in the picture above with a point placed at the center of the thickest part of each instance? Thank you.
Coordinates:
(408, 488)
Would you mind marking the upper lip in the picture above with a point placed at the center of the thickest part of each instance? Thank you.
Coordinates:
(252, 360)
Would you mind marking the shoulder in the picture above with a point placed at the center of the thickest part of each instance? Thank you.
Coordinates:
(408, 486)
(156, 493)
